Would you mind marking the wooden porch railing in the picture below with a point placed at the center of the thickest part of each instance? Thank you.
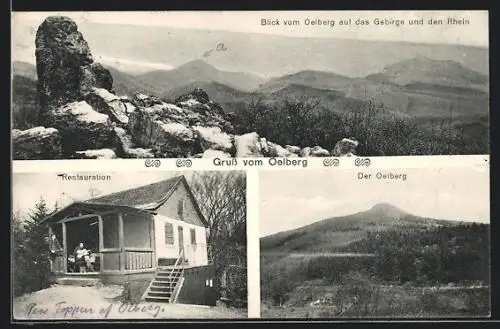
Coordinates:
(138, 259)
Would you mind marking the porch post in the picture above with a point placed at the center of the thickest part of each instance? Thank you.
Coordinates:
(152, 241)
(121, 242)
(50, 250)
(101, 244)
(65, 248)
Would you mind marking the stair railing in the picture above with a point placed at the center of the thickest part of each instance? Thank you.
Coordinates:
(181, 256)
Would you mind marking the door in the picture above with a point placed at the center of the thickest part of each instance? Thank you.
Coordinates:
(180, 230)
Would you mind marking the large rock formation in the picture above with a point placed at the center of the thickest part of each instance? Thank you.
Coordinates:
(65, 67)
(86, 119)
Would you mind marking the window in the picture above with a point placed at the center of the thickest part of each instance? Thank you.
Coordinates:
(169, 233)
(193, 236)
(180, 209)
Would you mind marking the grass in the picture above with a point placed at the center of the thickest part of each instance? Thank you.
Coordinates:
(361, 297)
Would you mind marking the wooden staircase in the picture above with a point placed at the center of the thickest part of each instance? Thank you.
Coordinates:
(164, 287)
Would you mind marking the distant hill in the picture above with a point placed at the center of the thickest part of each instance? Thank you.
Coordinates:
(416, 87)
(24, 108)
(217, 92)
(200, 71)
(262, 54)
(127, 84)
(310, 78)
(331, 234)
(429, 71)
(24, 69)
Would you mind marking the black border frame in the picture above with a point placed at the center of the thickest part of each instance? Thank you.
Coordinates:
(134, 5)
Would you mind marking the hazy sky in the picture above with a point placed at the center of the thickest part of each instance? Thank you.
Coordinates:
(291, 199)
(137, 42)
(475, 33)
(27, 188)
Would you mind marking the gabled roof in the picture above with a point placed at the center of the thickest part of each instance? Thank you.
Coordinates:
(149, 197)
(95, 208)
(145, 198)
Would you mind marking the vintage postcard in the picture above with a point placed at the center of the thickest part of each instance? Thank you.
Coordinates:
(97, 85)
(99, 245)
(252, 164)
(375, 243)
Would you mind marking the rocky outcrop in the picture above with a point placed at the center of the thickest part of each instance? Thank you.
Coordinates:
(65, 66)
(81, 128)
(213, 138)
(210, 154)
(126, 147)
(345, 147)
(96, 154)
(248, 145)
(84, 118)
(105, 102)
(37, 143)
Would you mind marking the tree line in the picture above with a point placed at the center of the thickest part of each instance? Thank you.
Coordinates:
(304, 121)
(407, 255)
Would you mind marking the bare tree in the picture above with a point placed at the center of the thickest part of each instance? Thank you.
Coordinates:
(94, 192)
(222, 199)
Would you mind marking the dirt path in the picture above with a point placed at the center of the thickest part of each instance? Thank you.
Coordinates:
(71, 302)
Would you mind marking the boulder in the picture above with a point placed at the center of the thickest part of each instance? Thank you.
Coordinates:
(141, 100)
(96, 154)
(345, 147)
(126, 147)
(305, 152)
(213, 138)
(264, 146)
(318, 151)
(65, 67)
(81, 128)
(105, 102)
(167, 139)
(276, 150)
(293, 149)
(197, 94)
(38, 143)
(248, 145)
(210, 154)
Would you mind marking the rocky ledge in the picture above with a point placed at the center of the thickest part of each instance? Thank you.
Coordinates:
(82, 117)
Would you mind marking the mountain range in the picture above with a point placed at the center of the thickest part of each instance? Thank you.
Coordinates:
(415, 87)
(330, 234)
(138, 48)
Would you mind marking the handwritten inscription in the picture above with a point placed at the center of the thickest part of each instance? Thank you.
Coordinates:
(221, 47)
(66, 310)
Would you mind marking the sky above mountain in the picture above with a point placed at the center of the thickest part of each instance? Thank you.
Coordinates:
(474, 33)
(290, 199)
(28, 188)
(236, 41)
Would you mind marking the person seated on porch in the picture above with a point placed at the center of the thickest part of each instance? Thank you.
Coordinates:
(82, 258)
(72, 268)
